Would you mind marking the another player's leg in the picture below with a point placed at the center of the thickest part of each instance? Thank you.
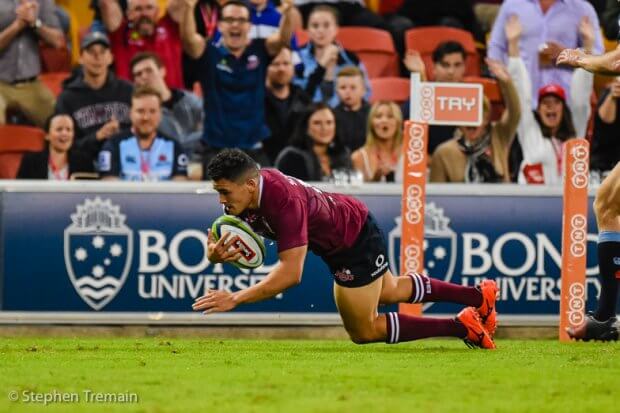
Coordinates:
(601, 324)
(358, 309)
(418, 288)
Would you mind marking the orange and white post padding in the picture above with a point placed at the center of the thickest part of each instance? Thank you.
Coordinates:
(574, 235)
(414, 197)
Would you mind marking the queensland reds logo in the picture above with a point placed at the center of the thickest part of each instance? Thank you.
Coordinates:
(439, 247)
(576, 303)
(580, 167)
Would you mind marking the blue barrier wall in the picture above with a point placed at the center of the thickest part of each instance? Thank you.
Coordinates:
(118, 250)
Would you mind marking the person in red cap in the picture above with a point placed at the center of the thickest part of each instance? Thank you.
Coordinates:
(542, 132)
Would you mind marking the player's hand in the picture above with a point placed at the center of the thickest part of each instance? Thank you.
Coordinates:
(550, 52)
(571, 57)
(222, 250)
(498, 69)
(190, 4)
(214, 301)
(286, 5)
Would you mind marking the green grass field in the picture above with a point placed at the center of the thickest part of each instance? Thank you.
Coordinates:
(185, 375)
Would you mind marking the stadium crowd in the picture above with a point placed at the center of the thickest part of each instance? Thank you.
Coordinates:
(157, 88)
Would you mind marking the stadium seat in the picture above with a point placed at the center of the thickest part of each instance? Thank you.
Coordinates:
(394, 89)
(54, 80)
(374, 47)
(426, 39)
(492, 92)
(14, 141)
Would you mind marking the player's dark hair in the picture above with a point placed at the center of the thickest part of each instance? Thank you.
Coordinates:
(230, 164)
(139, 57)
(447, 48)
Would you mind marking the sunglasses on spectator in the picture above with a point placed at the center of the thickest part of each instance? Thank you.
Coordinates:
(232, 20)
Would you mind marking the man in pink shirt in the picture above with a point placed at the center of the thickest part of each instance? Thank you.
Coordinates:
(140, 31)
(339, 229)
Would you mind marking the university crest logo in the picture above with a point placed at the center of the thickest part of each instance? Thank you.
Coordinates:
(440, 245)
(98, 248)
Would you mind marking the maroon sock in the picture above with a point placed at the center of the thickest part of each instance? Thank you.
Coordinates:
(427, 289)
(402, 327)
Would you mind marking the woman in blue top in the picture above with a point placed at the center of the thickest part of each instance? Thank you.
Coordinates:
(323, 52)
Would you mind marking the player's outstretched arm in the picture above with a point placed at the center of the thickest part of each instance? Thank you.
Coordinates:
(606, 64)
(286, 274)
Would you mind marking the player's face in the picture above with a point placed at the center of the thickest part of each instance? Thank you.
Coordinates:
(60, 134)
(350, 90)
(234, 26)
(550, 111)
(145, 116)
(236, 196)
(384, 123)
(451, 68)
(322, 127)
(322, 28)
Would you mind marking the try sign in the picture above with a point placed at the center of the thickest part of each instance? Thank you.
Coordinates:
(437, 103)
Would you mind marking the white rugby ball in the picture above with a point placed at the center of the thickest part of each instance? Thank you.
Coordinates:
(252, 245)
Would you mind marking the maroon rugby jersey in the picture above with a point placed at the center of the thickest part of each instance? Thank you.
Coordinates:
(294, 214)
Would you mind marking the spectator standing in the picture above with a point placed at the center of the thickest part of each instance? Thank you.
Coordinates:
(58, 161)
(182, 114)
(480, 153)
(322, 50)
(542, 133)
(548, 27)
(22, 24)
(380, 155)
(94, 97)
(233, 79)
(316, 152)
(142, 154)
(139, 30)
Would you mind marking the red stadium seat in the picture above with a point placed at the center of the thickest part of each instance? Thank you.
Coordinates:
(426, 39)
(374, 47)
(53, 81)
(53, 59)
(394, 89)
(14, 141)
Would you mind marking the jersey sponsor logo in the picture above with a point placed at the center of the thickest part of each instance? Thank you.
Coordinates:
(617, 260)
(98, 247)
(105, 161)
(130, 159)
(223, 66)
(381, 265)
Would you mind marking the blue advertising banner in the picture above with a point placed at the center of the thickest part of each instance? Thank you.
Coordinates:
(145, 252)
